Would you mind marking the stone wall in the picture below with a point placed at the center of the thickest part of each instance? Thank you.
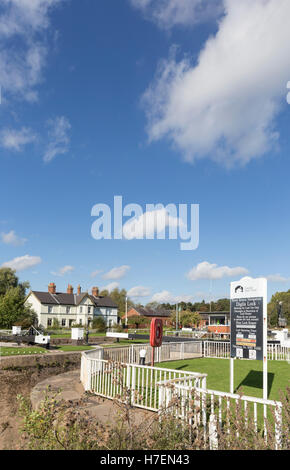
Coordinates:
(41, 360)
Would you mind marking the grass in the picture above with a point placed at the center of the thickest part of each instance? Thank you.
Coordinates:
(25, 351)
(124, 342)
(69, 347)
(4, 351)
(248, 375)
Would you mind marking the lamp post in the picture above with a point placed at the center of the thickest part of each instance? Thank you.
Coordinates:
(126, 311)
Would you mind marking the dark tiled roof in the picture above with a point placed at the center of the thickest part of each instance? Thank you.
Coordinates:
(103, 301)
(60, 298)
(148, 312)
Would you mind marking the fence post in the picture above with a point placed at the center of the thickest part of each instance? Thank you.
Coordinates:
(89, 375)
(278, 426)
(133, 385)
(212, 432)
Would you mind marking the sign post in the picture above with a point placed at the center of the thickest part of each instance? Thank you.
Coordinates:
(249, 325)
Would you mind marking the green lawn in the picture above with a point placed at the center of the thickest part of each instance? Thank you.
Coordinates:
(69, 347)
(247, 374)
(14, 351)
(4, 351)
(124, 342)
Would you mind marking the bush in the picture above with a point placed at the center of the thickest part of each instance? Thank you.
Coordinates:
(99, 324)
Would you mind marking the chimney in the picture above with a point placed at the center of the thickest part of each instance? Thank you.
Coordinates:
(52, 288)
(79, 290)
(70, 289)
(95, 291)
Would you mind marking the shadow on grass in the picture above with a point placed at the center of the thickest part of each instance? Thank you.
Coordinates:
(182, 367)
(255, 379)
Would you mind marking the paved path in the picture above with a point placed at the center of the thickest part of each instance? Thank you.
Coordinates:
(105, 411)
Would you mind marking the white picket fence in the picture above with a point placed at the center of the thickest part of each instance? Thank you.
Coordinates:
(136, 383)
(167, 352)
(221, 349)
(211, 409)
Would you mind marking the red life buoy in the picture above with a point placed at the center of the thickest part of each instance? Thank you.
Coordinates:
(156, 332)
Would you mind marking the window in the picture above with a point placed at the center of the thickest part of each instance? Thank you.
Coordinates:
(50, 309)
(89, 309)
(63, 322)
(49, 322)
(80, 322)
(81, 309)
(67, 309)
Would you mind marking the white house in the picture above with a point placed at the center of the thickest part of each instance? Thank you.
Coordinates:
(71, 308)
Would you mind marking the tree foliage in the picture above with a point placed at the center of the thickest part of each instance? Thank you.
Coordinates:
(12, 298)
(283, 297)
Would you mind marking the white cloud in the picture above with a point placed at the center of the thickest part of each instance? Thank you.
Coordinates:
(117, 273)
(13, 139)
(206, 270)
(22, 263)
(224, 106)
(167, 297)
(277, 278)
(95, 273)
(149, 223)
(169, 13)
(139, 291)
(109, 287)
(59, 138)
(11, 238)
(64, 270)
(25, 22)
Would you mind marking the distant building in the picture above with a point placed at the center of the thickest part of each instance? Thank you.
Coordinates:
(163, 314)
(215, 322)
(71, 308)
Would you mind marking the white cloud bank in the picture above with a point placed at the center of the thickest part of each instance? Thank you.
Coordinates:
(11, 238)
(224, 107)
(165, 297)
(206, 270)
(21, 67)
(110, 287)
(169, 13)
(139, 291)
(277, 278)
(64, 270)
(150, 223)
(22, 263)
(117, 273)
(13, 139)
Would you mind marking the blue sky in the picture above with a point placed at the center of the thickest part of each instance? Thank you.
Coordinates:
(159, 102)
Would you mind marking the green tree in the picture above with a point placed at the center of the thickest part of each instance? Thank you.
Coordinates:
(283, 297)
(189, 319)
(13, 310)
(8, 279)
